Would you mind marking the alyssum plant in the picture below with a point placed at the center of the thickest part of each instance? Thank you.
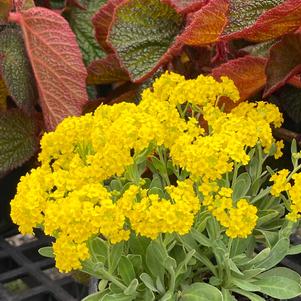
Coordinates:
(160, 208)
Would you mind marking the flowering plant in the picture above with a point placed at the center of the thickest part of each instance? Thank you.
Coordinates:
(159, 207)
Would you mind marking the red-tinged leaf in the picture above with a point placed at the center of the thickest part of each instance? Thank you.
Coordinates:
(102, 21)
(207, 24)
(23, 4)
(18, 136)
(295, 81)
(56, 61)
(5, 7)
(275, 18)
(144, 36)
(3, 95)
(106, 71)
(186, 6)
(246, 72)
(284, 62)
(16, 69)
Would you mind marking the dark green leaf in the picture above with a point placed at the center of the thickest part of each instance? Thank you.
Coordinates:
(243, 14)
(18, 136)
(141, 35)
(16, 69)
(80, 21)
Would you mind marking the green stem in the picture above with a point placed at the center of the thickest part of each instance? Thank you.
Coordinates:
(106, 275)
(172, 281)
(182, 114)
(260, 161)
(293, 172)
(203, 259)
(163, 159)
(236, 168)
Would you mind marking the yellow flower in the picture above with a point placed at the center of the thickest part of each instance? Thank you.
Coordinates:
(280, 182)
(242, 220)
(279, 147)
(295, 198)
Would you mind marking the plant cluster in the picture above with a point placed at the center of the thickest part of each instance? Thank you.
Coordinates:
(125, 44)
(160, 208)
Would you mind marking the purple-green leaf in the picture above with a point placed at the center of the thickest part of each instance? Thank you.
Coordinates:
(142, 35)
(80, 21)
(18, 139)
(16, 69)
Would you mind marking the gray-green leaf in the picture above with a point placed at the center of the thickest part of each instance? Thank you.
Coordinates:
(201, 292)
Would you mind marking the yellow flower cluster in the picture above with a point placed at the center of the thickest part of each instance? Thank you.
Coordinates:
(68, 195)
(281, 184)
(239, 220)
(295, 197)
(231, 134)
(152, 215)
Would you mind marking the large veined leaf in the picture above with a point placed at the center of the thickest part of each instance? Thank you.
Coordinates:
(244, 14)
(56, 61)
(106, 71)
(275, 18)
(102, 21)
(248, 74)
(284, 62)
(207, 24)
(81, 24)
(143, 35)
(5, 7)
(18, 139)
(16, 69)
